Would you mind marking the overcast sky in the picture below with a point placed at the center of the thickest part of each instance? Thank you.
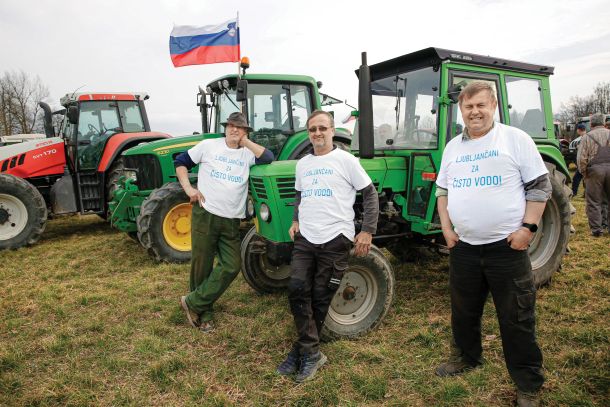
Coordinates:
(112, 45)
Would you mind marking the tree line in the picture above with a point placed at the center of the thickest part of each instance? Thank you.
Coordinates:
(597, 102)
(19, 97)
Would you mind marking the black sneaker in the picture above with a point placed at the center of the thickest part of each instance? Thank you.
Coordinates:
(291, 364)
(453, 367)
(310, 363)
(597, 234)
(525, 399)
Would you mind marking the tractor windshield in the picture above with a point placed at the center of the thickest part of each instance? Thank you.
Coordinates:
(404, 110)
(275, 111)
(98, 121)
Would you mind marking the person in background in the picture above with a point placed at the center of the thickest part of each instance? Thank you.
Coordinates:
(581, 130)
(594, 164)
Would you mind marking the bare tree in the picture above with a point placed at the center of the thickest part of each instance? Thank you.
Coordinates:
(578, 106)
(19, 97)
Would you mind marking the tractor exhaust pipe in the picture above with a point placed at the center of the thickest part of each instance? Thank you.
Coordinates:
(365, 108)
(48, 119)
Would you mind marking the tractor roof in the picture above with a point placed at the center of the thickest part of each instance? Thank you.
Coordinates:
(89, 96)
(262, 77)
(434, 56)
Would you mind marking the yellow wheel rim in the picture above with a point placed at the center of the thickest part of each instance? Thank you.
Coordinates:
(177, 227)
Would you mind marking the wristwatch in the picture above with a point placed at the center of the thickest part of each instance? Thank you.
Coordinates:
(531, 226)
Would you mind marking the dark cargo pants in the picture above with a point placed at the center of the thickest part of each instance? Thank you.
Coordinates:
(211, 236)
(475, 270)
(309, 294)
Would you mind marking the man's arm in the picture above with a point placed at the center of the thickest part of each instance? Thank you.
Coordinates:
(370, 203)
(263, 155)
(537, 192)
(294, 228)
(441, 203)
(183, 164)
(582, 155)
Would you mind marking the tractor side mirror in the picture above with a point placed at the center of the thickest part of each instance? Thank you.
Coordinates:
(242, 90)
(454, 91)
(73, 114)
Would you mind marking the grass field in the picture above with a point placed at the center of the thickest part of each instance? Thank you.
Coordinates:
(86, 318)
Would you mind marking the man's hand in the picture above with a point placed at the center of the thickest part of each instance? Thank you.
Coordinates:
(243, 140)
(294, 229)
(362, 243)
(195, 196)
(450, 237)
(520, 239)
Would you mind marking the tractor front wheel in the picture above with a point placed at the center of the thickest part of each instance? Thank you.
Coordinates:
(363, 298)
(23, 213)
(258, 271)
(164, 224)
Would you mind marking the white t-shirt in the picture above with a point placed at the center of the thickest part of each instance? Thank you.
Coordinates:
(328, 185)
(223, 176)
(485, 180)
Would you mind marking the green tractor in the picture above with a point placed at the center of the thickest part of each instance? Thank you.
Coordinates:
(149, 203)
(408, 113)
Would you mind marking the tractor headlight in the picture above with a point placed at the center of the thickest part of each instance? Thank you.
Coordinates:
(250, 208)
(265, 213)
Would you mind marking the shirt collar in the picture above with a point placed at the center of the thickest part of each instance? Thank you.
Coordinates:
(466, 136)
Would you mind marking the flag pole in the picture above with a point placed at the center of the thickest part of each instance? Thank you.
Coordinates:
(239, 55)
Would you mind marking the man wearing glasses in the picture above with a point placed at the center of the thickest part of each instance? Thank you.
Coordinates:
(323, 232)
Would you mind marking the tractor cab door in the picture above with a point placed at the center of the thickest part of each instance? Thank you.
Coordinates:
(97, 122)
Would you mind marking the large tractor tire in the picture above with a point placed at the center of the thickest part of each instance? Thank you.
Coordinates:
(551, 240)
(164, 224)
(260, 273)
(23, 213)
(363, 299)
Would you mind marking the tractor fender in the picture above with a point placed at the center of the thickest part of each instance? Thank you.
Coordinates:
(120, 142)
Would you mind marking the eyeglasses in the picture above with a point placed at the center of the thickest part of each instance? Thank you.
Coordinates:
(313, 129)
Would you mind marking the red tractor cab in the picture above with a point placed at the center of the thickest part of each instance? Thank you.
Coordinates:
(73, 170)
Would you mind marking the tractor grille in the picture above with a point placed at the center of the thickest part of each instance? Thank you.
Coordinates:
(148, 169)
(258, 187)
(285, 187)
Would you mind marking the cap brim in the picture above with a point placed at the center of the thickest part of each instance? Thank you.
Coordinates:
(237, 125)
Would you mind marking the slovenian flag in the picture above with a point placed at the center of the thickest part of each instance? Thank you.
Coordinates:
(210, 44)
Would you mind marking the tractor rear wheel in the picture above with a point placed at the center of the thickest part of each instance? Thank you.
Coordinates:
(114, 173)
(260, 273)
(23, 213)
(164, 224)
(550, 242)
(363, 299)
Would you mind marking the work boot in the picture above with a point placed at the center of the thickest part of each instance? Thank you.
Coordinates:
(191, 316)
(525, 399)
(310, 363)
(453, 367)
(291, 364)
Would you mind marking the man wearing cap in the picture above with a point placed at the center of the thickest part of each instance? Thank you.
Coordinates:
(219, 202)
(594, 164)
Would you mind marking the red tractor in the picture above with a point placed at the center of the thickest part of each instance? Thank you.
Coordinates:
(73, 171)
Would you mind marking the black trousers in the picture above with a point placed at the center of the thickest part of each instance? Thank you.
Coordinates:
(309, 293)
(475, 270)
